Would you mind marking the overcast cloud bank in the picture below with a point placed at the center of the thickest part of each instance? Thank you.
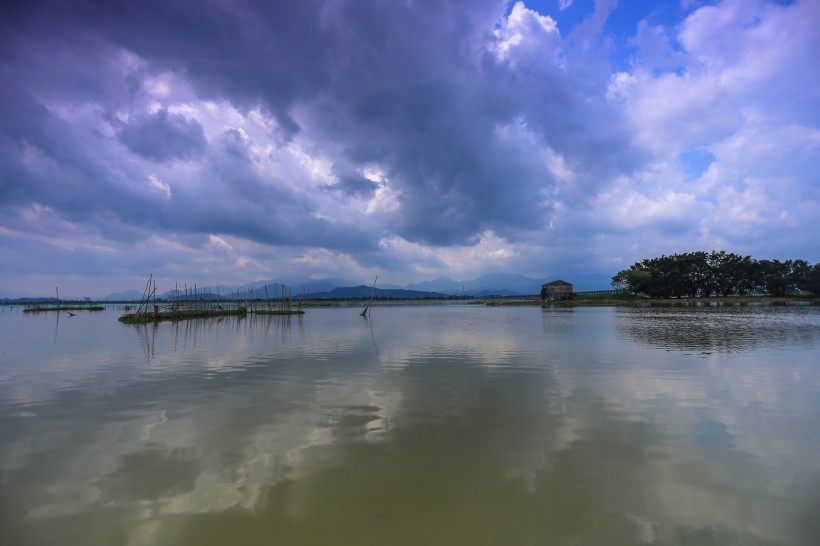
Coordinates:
(210, 142)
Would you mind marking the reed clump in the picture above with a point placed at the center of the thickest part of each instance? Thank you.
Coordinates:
(145, 317)
(279, 312)
(190, 303)
(39, 308)
(262, 303)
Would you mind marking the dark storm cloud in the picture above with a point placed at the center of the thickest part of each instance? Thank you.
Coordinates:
(161, 135)
(249, 52)
(421, 93)
(45, 162)
(411, 85)
(353, 185)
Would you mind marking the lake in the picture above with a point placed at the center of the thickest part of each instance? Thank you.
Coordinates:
(420, 425)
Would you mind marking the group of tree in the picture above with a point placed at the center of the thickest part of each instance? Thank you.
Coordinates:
(715, 273)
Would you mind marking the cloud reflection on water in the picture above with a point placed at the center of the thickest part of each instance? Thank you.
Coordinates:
(424, 425)
(722, 328)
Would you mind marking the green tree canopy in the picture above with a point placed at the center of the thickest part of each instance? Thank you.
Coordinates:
(720, 273)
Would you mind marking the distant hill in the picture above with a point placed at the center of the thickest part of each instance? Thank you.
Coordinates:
(296, 284)
(501, 284)
(363, 291)
(29, 300)
(498, 284)
(504, 284)
(271, 288)
(488, 292)
(388, 286)
(441, 284)
(128, 295)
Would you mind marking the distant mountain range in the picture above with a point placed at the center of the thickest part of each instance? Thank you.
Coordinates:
(502, 284)
(486, 285)
(29, 300)
(128, 295)
(498, 284)
(364, 292)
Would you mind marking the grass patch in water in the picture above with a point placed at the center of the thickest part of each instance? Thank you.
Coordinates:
(145, 317)
(43, 308)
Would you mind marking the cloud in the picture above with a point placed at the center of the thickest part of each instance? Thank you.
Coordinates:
(738, 99)
(656, 48)
(526, 34)
(155, 182)
(325, 128)
(354, 185)
(161, 135)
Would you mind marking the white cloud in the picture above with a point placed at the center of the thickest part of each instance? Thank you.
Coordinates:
(746, 62)
(319, 168)
(526, 36)
(738, 98)
(619, 86)
(558, 167)
(385, 200)
(220, 243)
(490, 252)
(155, 182)
(653, 204)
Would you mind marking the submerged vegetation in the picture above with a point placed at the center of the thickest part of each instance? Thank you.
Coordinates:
(156, 315)
(617, 297)
(200, 303)
(40, 308)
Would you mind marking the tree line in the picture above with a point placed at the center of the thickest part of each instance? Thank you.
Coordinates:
(704, 273)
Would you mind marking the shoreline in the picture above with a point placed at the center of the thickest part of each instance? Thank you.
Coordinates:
(668, 302)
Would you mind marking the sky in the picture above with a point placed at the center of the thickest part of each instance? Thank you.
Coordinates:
(212, 141)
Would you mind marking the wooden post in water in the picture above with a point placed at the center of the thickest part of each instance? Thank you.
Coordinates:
(372, 290)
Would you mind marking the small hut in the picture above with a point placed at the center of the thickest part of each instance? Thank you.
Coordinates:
(556, 290)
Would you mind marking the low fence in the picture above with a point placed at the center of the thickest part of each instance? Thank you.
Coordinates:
(595, 292)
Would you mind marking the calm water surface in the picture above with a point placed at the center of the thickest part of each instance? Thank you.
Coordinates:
(420, 425)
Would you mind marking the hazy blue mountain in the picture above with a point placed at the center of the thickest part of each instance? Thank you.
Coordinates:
(364, 292)
(128, 295)
(318, 285)
(31, 300)
(296, 283)
(504, 283)
(490, 292)
(496, 284)
(390, 286)
(501, 284)
(441, 284)
(270, 288)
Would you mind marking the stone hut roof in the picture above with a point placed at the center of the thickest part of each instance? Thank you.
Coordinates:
(556, 284)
